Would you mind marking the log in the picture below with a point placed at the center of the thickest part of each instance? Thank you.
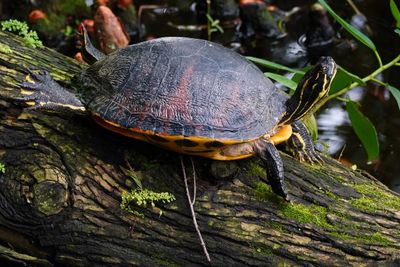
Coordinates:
(60, 196)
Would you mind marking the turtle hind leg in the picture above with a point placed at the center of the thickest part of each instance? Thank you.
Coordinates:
(40, 91)
(301, 145)
(272, 160)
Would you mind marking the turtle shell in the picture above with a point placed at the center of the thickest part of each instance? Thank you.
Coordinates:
(186, 87)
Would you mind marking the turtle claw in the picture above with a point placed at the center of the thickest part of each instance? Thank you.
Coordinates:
(309, 156)
(39, 76)
(301, 145)
(33, 89)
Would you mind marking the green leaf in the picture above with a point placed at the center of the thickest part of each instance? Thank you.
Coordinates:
(209, 18)
(397, 31)
(396, 93)
(297, 76)
(343, 79)
(395, 13)
(282, 80)
(311, 123)
(352, 30)
(364, 129)
(272, 65)
(215, 22)
(219, 28)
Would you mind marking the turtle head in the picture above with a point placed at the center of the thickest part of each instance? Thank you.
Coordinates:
(313, 87)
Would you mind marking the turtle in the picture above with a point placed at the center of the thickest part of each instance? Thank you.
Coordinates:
(190, 96)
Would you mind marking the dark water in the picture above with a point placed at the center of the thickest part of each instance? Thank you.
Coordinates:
(376, 103)
(382, 110)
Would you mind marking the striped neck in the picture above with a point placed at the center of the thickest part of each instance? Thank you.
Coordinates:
(313, 87)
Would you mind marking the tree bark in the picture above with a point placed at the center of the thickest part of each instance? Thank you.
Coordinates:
(61, 191)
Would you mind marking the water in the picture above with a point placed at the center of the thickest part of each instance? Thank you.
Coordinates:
(377, 104)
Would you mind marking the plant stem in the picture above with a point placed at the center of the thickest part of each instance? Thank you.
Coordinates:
(209, 26)
(378, 57)
(192, 201)
(343, 99)
(378, 81)
(365, 79)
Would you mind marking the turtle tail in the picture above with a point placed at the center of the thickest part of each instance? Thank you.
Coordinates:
(89, 53)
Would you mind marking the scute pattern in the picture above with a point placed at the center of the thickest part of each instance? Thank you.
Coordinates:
(183, 86)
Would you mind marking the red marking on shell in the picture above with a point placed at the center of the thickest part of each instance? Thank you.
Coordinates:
(227, 107)
(142, 116)
(178, 104)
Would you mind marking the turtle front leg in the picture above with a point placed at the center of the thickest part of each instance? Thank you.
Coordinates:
(272, 160)
(301, 145)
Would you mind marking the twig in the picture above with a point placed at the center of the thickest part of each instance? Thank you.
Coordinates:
(191, 204)
(208, 21)
(194, 182)
(359, 13)
(354, 7)
(341, 152)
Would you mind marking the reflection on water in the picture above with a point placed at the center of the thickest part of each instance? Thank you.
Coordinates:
(329, 122)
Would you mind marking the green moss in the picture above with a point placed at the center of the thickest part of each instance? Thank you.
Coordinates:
(340, 179)
(255, 170)
(264, 251)
(306, 214)
(21, 28)
(374, 198)
(275, 225)
(2, 168)
(331, 195)
(143, 197)
(5, 49)
(264, 192)
(365, 203)
(380, 239)
(165, 262)
(371, 239)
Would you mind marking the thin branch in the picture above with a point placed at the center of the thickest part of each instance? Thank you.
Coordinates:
(367, 78)
(378, 57)
(378, 82)
(194, 182)
(191, 205)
